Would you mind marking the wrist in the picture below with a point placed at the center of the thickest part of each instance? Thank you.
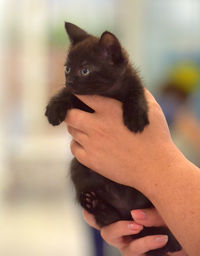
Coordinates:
(156, 167)
(173, 190)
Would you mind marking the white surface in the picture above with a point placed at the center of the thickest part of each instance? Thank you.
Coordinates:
(38, 214)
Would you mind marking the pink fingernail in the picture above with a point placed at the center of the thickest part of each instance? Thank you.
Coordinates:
(138, 214)
(134, 226)
(161, 239)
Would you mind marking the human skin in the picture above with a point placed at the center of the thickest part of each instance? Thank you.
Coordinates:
(148, 161)
(115, 233)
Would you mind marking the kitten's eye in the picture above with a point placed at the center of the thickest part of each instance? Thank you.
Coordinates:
(85, 71)
(67, 70)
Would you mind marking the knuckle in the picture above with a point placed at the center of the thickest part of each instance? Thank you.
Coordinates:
(80, 157)
(101, 130)
(73, 147)
(128, 251)
(110, 235)
(69, 116)
(103, 234)
(73, 117)
(69, 129)
(106, 237)
(106, 234)
(78, 152)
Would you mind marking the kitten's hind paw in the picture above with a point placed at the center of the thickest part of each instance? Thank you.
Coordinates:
(89, 201)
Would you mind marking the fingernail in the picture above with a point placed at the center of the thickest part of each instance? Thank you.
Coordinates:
(138, 214)
(134, 226)
(161, 239)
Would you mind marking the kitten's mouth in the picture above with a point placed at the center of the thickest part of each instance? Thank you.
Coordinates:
(75, 91)
(69, 86)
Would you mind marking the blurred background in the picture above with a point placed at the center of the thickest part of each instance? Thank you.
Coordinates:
(38, 215)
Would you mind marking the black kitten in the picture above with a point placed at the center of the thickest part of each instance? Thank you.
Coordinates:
(100, 66)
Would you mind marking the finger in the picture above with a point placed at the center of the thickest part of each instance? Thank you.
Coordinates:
(89, 218)
(151, 101)
(77, 135)
(180, 253)
(99, 103)
(114, 233)
(78, 119)
(152, 104)
(148, 95)
(78, 151)
(145, 244)
(150, 98)
(147, 217)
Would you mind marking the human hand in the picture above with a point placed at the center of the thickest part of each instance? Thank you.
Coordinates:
(128, 158)
(115, 234)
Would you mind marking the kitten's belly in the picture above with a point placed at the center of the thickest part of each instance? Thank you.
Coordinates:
(115, 199)
(110, 202)
(124, 199)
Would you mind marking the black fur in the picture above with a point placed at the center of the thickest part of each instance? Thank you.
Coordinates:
(110, 75)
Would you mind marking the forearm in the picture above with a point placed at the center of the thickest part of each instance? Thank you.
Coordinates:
(173, 185)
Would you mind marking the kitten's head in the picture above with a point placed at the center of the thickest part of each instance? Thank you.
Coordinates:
(93, 65)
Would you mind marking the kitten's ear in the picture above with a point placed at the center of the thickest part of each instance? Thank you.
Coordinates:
(111, 48)
(75, 33)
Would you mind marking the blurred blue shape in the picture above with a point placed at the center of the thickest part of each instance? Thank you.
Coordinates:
(98, 242)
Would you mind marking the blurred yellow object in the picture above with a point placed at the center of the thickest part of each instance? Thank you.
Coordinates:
(186, 76)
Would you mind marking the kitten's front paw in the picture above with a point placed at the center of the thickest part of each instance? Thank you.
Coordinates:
(55, 112)
(136, 121)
